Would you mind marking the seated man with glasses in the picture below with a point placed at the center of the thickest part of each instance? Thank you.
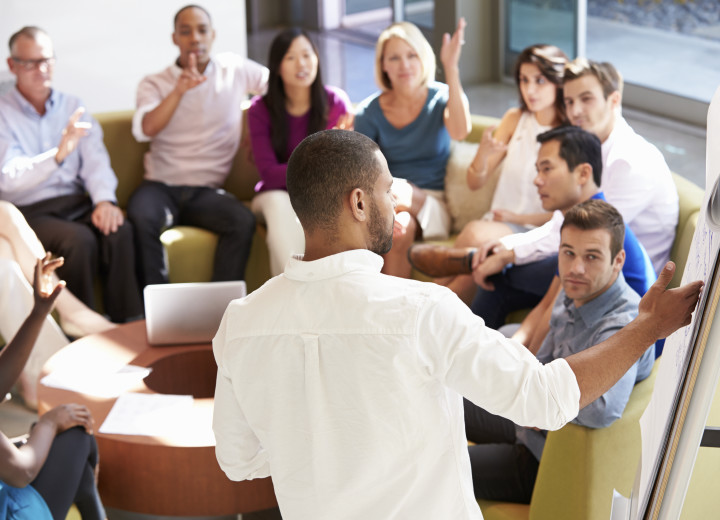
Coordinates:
(54, 167)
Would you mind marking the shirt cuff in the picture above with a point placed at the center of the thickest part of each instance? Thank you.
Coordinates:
(137, 120)
(565, 391)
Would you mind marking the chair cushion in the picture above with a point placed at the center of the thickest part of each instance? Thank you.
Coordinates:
(464, 204)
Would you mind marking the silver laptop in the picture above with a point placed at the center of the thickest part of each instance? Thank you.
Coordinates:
(178, 313)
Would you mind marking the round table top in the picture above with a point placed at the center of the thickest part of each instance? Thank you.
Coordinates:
(173, 474)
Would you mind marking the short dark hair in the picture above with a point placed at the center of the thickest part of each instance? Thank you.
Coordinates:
(324, 168)
(29, 31)
(577, 146)
(598, 214)
(605, 72)
(190, 6)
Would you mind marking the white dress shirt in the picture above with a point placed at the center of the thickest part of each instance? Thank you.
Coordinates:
(345, 386)
(637, 181)
(198, 145)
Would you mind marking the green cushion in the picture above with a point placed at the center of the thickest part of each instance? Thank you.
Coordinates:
(581, 466)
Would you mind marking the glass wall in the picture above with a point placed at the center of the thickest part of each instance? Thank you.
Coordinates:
(555, 22)
(671, 46)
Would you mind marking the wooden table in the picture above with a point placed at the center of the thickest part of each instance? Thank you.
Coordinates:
(175, 475)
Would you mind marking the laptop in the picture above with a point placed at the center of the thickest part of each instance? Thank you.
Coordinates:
(180, 313)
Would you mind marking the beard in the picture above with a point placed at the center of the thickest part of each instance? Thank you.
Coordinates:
(382, 236)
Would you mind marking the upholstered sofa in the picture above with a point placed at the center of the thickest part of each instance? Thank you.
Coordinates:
(190, 250)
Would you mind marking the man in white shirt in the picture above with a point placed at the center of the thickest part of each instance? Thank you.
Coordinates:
(192, 115)
(345, 385)
(636, 178)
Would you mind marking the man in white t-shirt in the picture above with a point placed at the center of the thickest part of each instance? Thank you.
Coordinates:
(192, 115)
(345, 385)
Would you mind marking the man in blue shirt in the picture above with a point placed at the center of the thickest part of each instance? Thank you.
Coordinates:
(54, 167)
(594, 303)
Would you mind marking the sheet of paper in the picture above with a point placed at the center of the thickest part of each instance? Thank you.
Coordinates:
(109, 381)
(655, 422)
(156, 415)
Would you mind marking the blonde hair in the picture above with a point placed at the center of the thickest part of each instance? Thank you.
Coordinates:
(411, 35)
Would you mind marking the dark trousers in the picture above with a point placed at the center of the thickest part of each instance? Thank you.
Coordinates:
(68, 476)
(501, 469)
(155, 207)
(64, 226)
(517, 287)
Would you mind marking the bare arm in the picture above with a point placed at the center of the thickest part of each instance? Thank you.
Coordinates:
(158, 118)
(20, 466)
(457, 112)
(522, 219)
(492, 149)
(661, 312)
(15, 355)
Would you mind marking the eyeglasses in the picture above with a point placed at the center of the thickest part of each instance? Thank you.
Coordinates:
(34, 64)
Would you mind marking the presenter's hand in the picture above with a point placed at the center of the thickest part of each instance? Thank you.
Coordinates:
(68, 416)
(190, 76)
(71, 135)
(666, 310)
(107, 217)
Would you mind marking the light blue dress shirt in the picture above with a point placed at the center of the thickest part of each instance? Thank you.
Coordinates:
(28, 144)
(574, 329)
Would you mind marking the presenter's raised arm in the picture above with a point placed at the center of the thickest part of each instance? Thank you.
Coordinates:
(662, 311)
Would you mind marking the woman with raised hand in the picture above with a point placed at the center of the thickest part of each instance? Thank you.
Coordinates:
(413, 119)
(296, 105)
(43, 474)
(516, 206)
(19, 250)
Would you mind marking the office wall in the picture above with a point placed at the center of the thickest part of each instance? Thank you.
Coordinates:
(479, 59)
(105, 47)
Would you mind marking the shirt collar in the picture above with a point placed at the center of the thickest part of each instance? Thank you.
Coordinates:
(333, 265)
(596, 308)
(599, 196)
(26, 107)
(619, 127)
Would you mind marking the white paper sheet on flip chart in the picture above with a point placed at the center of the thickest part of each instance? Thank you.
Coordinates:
(655, 422)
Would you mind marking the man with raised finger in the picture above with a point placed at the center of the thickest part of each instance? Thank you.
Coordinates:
(54, 167)
(191, 114)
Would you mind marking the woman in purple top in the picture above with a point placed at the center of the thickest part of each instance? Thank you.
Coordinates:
(296, 105)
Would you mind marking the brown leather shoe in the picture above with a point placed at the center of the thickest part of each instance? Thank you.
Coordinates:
(439, 261)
